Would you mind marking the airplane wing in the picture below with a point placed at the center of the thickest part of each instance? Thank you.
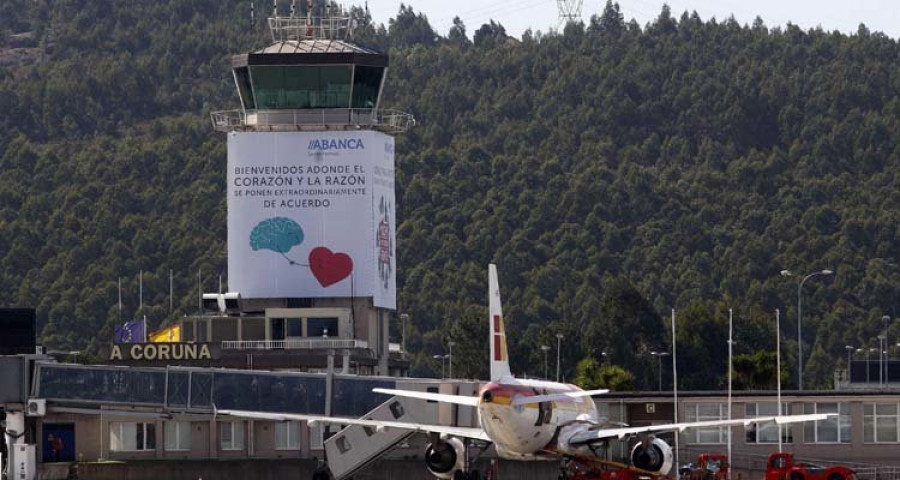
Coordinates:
(434, 397)
(556, 396)
(466, 432)
(590, 436)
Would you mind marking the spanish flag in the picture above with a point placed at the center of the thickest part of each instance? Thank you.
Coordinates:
(171, 334)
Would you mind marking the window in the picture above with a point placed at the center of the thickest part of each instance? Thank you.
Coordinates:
(366, 84)
(397, 410)
(831, 430)
(242, 78)
(294, 327)
(315, 437)
(881, 422)
(321, 327)
(287, 436)
(202, 336)
(231, 435)
(299, 87)
(767, 432)
(178, 436)
(131, 436)
(343, 445)
(701, 412)
(187, 330)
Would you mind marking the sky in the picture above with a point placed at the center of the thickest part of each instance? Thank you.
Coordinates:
(520, 15)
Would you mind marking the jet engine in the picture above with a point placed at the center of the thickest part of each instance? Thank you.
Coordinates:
(444, 458)
(652, 454)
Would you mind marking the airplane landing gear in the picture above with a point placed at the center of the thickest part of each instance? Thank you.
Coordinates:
(470, 473)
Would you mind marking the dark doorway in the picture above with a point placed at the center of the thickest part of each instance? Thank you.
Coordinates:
(58, 442)
(277, 328)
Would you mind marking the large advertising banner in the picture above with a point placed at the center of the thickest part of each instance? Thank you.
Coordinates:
(311, 214)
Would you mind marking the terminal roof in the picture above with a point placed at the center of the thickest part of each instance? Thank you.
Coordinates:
(311, 52)
(315, 46)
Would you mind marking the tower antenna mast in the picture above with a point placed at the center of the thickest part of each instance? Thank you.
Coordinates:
(569, 11)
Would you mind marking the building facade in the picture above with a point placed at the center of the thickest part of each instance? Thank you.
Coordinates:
(866, 430)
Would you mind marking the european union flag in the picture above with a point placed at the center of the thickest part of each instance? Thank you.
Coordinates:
(130, 332)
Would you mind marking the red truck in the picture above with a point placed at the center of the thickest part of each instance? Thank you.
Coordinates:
(781, 466)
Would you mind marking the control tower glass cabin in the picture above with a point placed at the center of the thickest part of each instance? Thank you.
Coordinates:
(310, 79)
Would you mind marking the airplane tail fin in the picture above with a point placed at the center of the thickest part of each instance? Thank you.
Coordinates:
(499, 354)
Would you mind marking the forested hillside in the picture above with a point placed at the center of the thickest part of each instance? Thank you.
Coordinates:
(613, 171)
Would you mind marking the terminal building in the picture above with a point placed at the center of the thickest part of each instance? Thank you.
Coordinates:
(77, 415)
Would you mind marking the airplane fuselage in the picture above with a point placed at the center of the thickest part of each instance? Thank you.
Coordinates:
(521, 431)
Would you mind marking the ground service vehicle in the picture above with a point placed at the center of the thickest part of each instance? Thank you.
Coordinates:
(709, 466)
(781, 466)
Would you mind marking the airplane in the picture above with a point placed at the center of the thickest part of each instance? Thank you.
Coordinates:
(527, 419)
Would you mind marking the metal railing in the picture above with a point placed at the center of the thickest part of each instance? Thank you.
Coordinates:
(297, 29)
(302, 344)
(388, 121)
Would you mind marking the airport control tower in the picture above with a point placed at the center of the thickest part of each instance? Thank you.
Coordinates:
(311, 207)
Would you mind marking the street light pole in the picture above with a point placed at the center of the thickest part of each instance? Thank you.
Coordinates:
(850, 349)
(887, 350)
(441, 358)
(787, 273)
(559, 338)
(659, 356)
(403, 319)
(778, 366)
(545, 349)
(730, 349)
(675, 383)
(450, 361)
(868, 368)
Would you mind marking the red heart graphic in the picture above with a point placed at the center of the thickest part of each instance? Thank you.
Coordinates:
(329, 267)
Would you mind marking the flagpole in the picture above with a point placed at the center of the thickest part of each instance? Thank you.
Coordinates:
(171, 294)
(120, 299)
(199, 290)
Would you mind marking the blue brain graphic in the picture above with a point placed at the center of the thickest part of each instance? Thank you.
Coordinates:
(278, 234)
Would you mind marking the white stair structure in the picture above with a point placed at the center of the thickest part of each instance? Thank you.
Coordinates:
(355, 446)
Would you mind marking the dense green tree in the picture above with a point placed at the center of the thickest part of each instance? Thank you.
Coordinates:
(612, 171)
(409, 28)
(591, 375)
(489, 34)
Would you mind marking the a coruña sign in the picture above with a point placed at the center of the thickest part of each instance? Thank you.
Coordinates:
(150, 352)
